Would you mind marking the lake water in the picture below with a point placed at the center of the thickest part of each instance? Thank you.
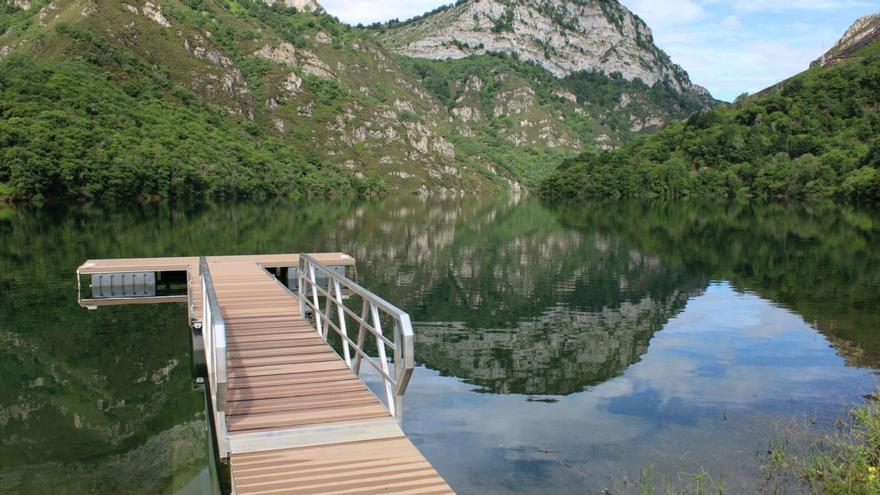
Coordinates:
(561, 349)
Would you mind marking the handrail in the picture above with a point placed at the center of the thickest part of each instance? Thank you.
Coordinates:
(214, 335)
(369, 321)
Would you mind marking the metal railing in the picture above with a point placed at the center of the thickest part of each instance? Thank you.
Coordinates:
(214, 335)
(336, 315)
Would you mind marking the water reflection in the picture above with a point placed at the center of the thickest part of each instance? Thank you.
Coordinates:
(721, 379)
(593, 332)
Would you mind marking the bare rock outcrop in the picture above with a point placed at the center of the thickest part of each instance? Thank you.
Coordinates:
(562, 36)
(863, 32)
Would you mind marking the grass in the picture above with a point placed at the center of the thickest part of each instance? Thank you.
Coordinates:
(699, 483)
(848, 462)
(845, 461)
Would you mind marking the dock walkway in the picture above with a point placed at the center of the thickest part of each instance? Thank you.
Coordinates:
(291, 415)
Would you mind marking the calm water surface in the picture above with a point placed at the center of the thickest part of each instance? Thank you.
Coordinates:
(562, 349)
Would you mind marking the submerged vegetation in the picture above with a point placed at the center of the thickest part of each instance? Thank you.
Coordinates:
(817, 136)
(844, 462)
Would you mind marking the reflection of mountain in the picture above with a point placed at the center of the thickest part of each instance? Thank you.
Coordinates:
(820, 260)
(165, 463)
(90, 402)
(559, 353)
(93, 387)
(529, 299)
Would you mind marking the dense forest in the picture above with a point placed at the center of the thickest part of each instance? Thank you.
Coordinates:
(817, 135)
(106, 126)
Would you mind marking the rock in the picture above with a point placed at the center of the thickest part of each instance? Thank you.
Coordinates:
(89, 9)
(314, 66)
(603, 142)
(566, 95)
(280, 126)
(514, 102)
(301, 5)
(292, 84)
(22, 4)
(285, 53)
(444, 148)
(154, 13)
(467, 114)
(323, 38)
(864, 31)
(562, 36)
(646, 123)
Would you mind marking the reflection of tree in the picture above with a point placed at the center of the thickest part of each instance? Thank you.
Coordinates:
(513, 296)
(71, 396)
(163, 464)
(822, 261)
(83, 392)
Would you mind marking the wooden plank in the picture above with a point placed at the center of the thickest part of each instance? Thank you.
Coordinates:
(288, 388)
(267, 361)
(301, 403)
(296, 390)
(278, 351)
(362, 468)
(288, 369)
(288, 419)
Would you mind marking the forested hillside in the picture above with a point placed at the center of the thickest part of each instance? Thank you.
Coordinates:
(818, 135)
(147, 99)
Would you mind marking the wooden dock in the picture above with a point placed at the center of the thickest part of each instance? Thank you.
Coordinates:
(290, 414)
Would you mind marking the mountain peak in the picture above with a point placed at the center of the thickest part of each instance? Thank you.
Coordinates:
(863, 32)
(562, 36)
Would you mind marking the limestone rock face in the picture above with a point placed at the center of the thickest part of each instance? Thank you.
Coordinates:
(560, 35)
(864, 31)
(301, 5)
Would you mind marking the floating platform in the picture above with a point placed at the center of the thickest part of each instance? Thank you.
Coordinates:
(289, 414)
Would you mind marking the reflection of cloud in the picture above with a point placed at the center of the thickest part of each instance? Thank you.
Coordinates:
(720, 373)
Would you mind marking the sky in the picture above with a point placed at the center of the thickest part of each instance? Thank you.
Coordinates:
(729, 46)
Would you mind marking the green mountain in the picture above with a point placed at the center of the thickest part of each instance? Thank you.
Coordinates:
(121, 100)
(814, 135)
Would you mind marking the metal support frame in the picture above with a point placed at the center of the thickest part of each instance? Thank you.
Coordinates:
(369, 321)
(214, 335)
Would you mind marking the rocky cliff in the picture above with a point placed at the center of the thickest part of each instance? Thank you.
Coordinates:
(863, 32)
(562, 36)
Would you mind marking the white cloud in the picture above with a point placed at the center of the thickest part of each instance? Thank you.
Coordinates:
(666, 13)
(734, 46)
(731, 22)
(788, 6)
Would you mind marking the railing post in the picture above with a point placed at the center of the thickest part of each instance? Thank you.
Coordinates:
(317, 309)
(327, 302)
(383, 360)
(360, 340)
(340, 313)
(300, 289)
(214, 334)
